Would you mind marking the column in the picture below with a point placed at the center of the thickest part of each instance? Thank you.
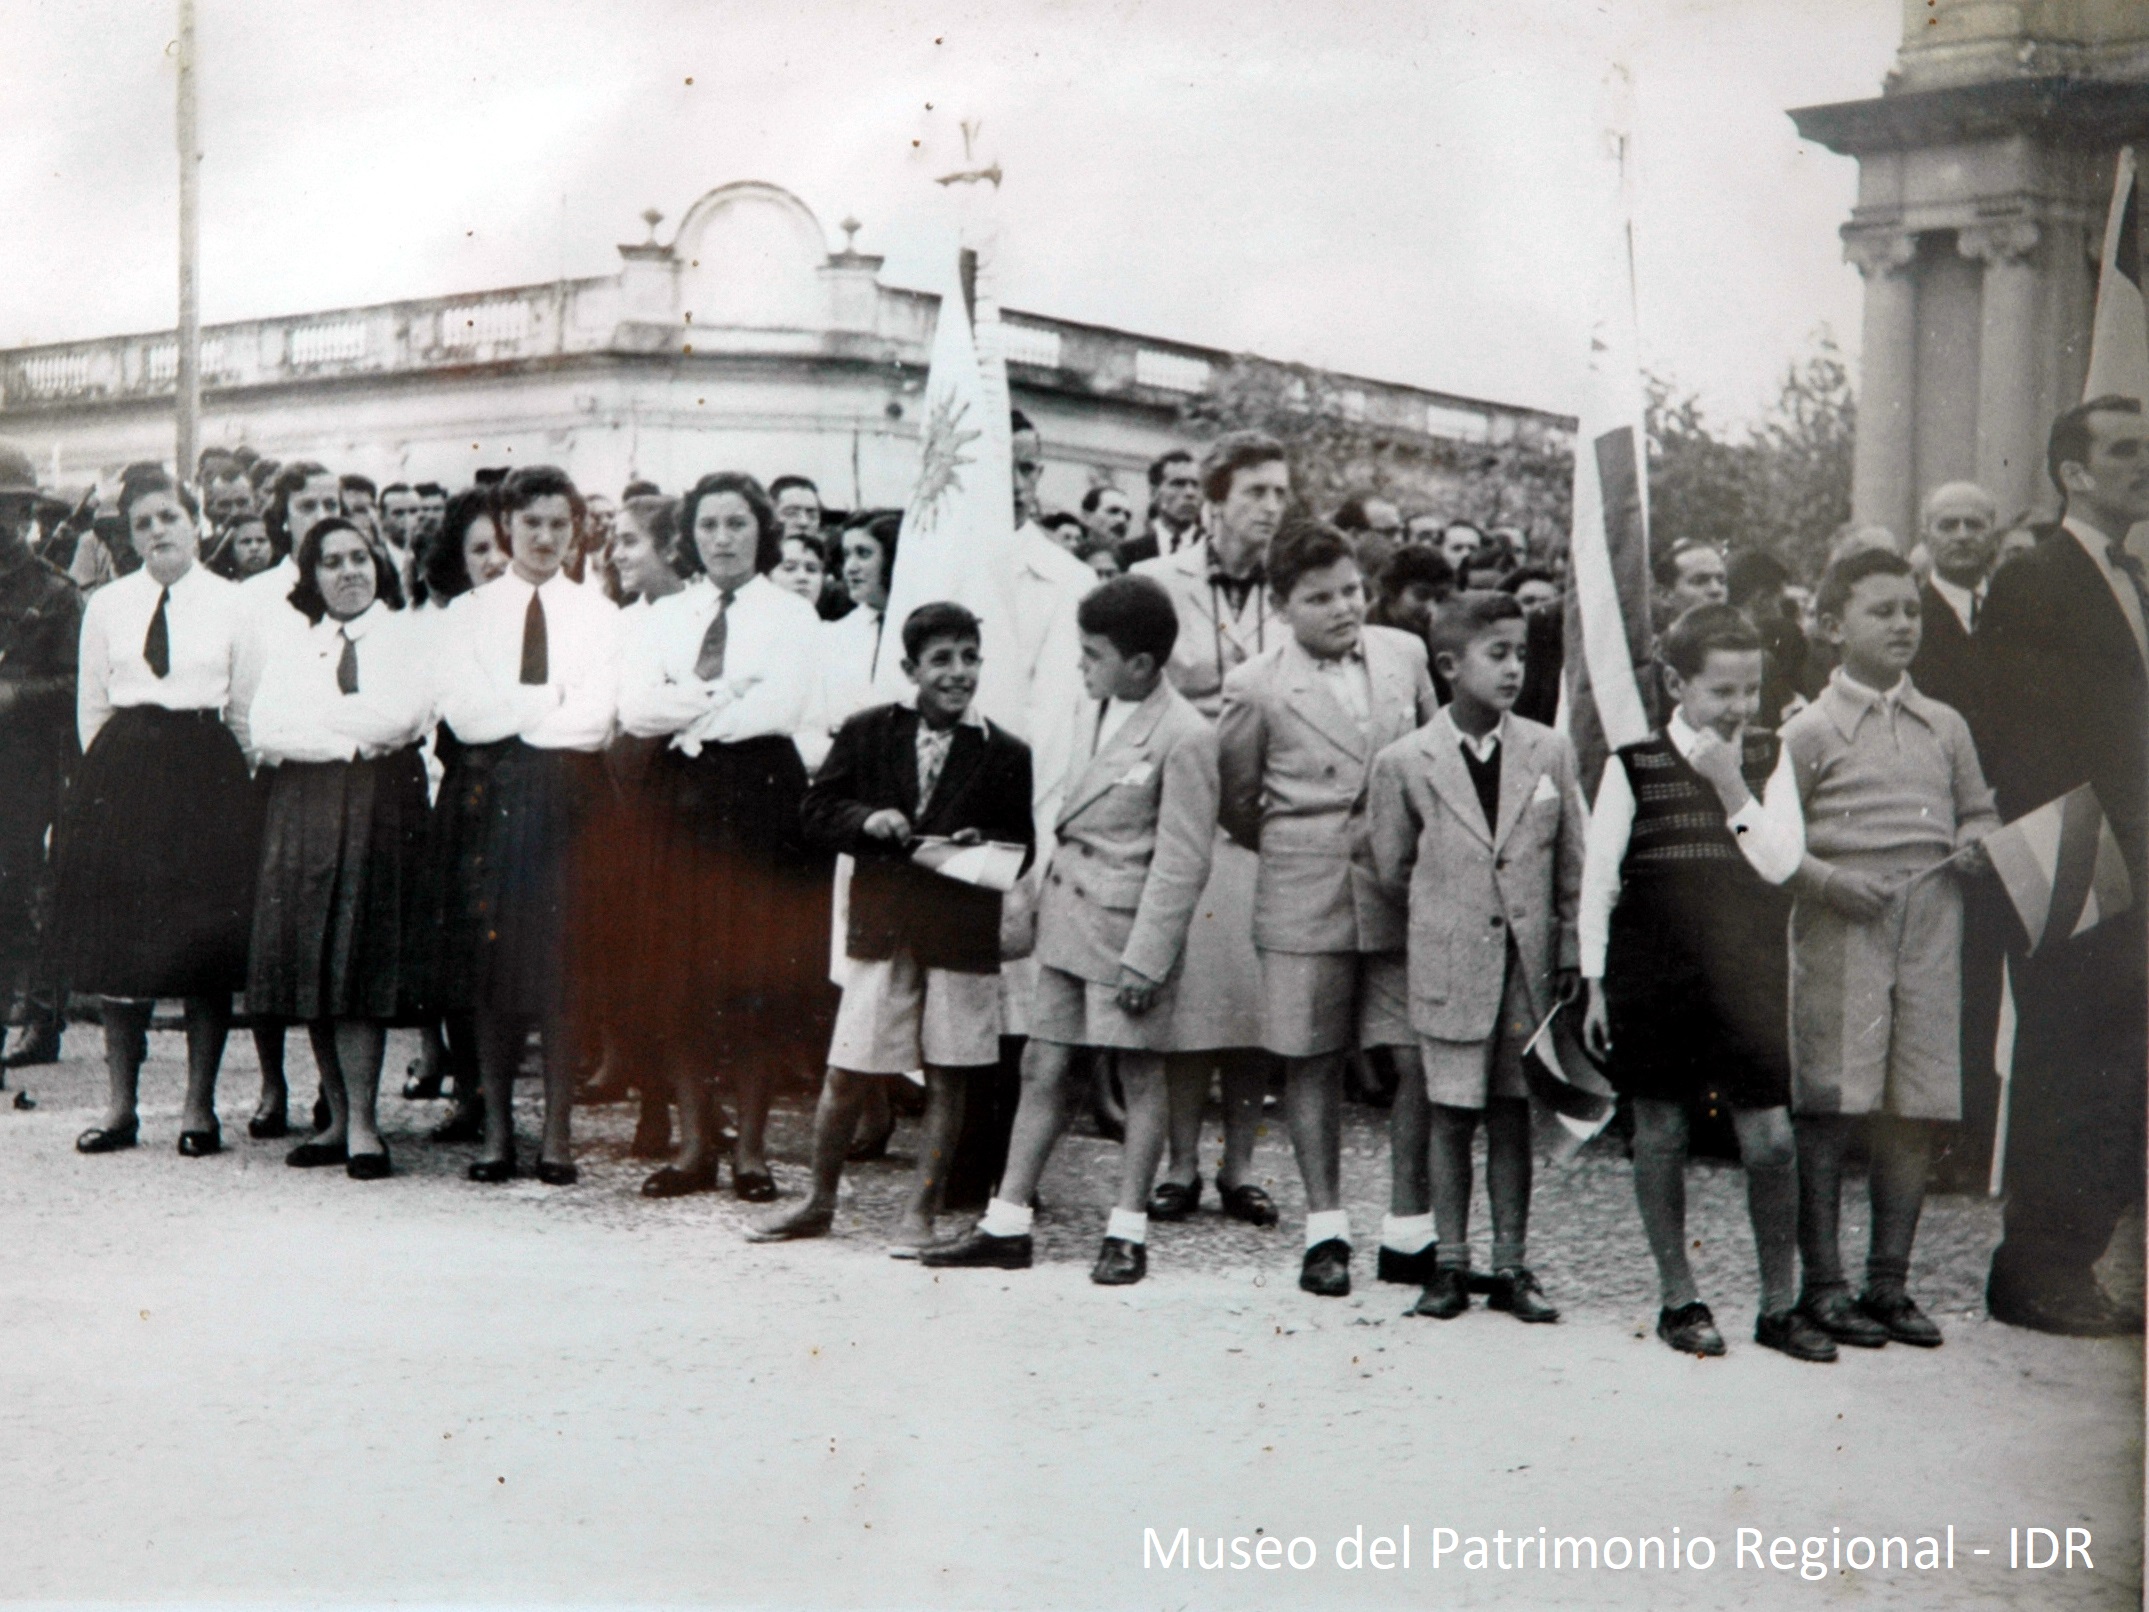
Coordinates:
(1882, 467)
(2011, 359)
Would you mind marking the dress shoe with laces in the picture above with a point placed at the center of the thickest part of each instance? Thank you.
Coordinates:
(1120, 1263)
(1899, 1316)
(1515, 1289)
(317, 1155)
(201, 1144)
(1174, 1200)
(369, 1166)
(1249, 1203)
(1325, 1272)
(979, 1248)
(2077, 1308)
(1790, 1332)
(1691, 1330)
(1446, 1296)
(1836, 1313)
(492, 1172)
(109, 1138)
(1406, 1270)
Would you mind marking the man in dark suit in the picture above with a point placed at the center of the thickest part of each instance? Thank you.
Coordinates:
(1961, 531)
(2064, 631)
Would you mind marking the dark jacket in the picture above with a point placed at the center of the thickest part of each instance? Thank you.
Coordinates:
(985, 785)
(1951, 664)
(40, 629)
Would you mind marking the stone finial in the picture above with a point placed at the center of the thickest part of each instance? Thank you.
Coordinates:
(652, 216)
(850, 227)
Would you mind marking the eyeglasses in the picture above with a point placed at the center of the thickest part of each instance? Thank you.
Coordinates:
(1962, 523)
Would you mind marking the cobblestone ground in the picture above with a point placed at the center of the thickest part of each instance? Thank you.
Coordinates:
(223, 1380)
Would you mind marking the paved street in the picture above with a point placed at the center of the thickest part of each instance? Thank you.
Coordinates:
(230, 1381)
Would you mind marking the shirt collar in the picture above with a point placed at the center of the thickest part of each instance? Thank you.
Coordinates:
(1849, 701)
(1482, 748)
(1354, 656)
(1682, 733)
(357, 627)
(1959, 598)
(2098, 544)
(972, 717)
(1219, 577)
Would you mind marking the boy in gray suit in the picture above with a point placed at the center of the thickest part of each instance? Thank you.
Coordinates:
(1300, 727)
(1478, 819)
(1134, 840)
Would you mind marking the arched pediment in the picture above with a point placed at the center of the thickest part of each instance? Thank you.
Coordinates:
(750, 254)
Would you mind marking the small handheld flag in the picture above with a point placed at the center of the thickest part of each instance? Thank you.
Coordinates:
(2061, 868)
(1567, 1084)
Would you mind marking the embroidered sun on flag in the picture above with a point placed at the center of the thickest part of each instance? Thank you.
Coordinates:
(2061, 868)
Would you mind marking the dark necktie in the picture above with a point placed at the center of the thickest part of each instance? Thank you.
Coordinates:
(1975, 602)
(536, 654)
(157, 644)
(709, 664)
(347, 663)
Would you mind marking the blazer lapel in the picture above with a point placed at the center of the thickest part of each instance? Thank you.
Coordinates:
(903, 757)
(965, 753)
(1104, 767)
(2088, 583)
(1316, 705)
(1451, 779)
(1518, 779)
(1395, 704)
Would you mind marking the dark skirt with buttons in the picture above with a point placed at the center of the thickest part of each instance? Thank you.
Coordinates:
(507, 828)
(342, 917)
(155, 858)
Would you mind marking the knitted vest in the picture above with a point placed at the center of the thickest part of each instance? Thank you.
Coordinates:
(1678, 819)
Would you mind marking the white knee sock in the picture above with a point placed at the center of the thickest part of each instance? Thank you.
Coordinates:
(1128, 1225)
(1325, 1224)
(1006, 1219)
(1406, 1234)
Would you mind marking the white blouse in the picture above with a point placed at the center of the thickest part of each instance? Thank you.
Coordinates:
(203, 623)
(482, 695)
(768, 679)
(301, 714)
(267, 614)
(847, 647)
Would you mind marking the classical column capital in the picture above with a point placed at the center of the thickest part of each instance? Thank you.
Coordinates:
(1878, 252)
(2000, 241)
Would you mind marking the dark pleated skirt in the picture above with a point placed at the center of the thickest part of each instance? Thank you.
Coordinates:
(736, 916)
(156, 855)
(506, 827)
(612, 984)
(342, 915)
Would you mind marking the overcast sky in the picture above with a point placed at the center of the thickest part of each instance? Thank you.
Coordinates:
(1384, 187)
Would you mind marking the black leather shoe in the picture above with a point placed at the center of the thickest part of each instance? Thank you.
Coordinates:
(1446, 1296)
(1836, 1313)
(1516, 1290)
(369, 1166)
(492, 1172)
(38, 1046)
(1789, 1332)
(1406, 1270)
(753, 1186)
(200, 1144)
(557, 1175)
(1690, 1329)
(979, 1248)
(673, 1182)
(323, 1115)
(1174, 1200)
(109, 1139)
(466, 1124)
(269, 1127)
(2071, 1309)
(1120, 1263)
(1250, 1204)
(1899, 1316)
(317, 1155)
(421, 1088)
(1325, 1272)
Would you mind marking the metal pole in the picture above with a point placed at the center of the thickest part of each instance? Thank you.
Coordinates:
(186, 403)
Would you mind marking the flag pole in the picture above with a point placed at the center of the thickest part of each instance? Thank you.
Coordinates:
(186, 403)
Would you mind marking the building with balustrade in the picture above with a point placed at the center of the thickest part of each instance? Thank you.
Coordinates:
(742, 342)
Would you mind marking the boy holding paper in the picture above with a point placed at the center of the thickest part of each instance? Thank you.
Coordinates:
(923, 985)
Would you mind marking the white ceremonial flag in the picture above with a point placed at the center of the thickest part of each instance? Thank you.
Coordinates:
(1607, 628)
(2119, 340)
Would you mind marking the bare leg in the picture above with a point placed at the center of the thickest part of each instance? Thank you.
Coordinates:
(126, 1044)
(691, 1091)
(1313, 1108)
(1410, 1127)
(1189, 1095)
(750, 1087)
(835, 1120)
(1245, 1082)
(269, 1053)
(1771, 1158)
(556, 1146)
(499, 1037)
(1142, 1078)
(1040, 1117)
(358, 1047)
(1660, 1195)
(208, 1023)
(938, 1132)
(322, 1034)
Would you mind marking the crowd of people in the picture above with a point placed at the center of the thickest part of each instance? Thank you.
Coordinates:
(519, 766)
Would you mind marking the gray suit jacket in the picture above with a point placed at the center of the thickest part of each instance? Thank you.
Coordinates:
(1294, 768)
(1471, 885)
(1135, 835)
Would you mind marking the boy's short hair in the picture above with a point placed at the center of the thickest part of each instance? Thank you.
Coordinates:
(1844, 574)
(941, 619)
(1415, 563)
(1467, 617)
(1704, 630)
(1514, 580)
(1303, 544)
(1135, 613)
(1751, 573)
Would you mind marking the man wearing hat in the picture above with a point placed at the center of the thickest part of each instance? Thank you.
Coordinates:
(40, 621)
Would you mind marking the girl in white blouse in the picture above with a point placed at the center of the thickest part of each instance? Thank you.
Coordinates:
(157, 845)
(723, 672)
(528, 679)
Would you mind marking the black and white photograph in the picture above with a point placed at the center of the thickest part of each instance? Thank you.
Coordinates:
(1074, 804)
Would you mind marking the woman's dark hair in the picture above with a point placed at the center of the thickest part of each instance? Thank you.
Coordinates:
(306, 597)
(659, 517)
(1228, 455)
(1702, 631)
(885, 529)
(767, 551)
(278, 515)
(519, 489)
(140, 481)
(442, 575)
(1841, 578)
(1302, 544)
(1135, 614)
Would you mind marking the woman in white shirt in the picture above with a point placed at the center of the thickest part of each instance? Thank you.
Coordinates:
(153, 904)
(528, 680)
(723, 671)
(342, 907)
